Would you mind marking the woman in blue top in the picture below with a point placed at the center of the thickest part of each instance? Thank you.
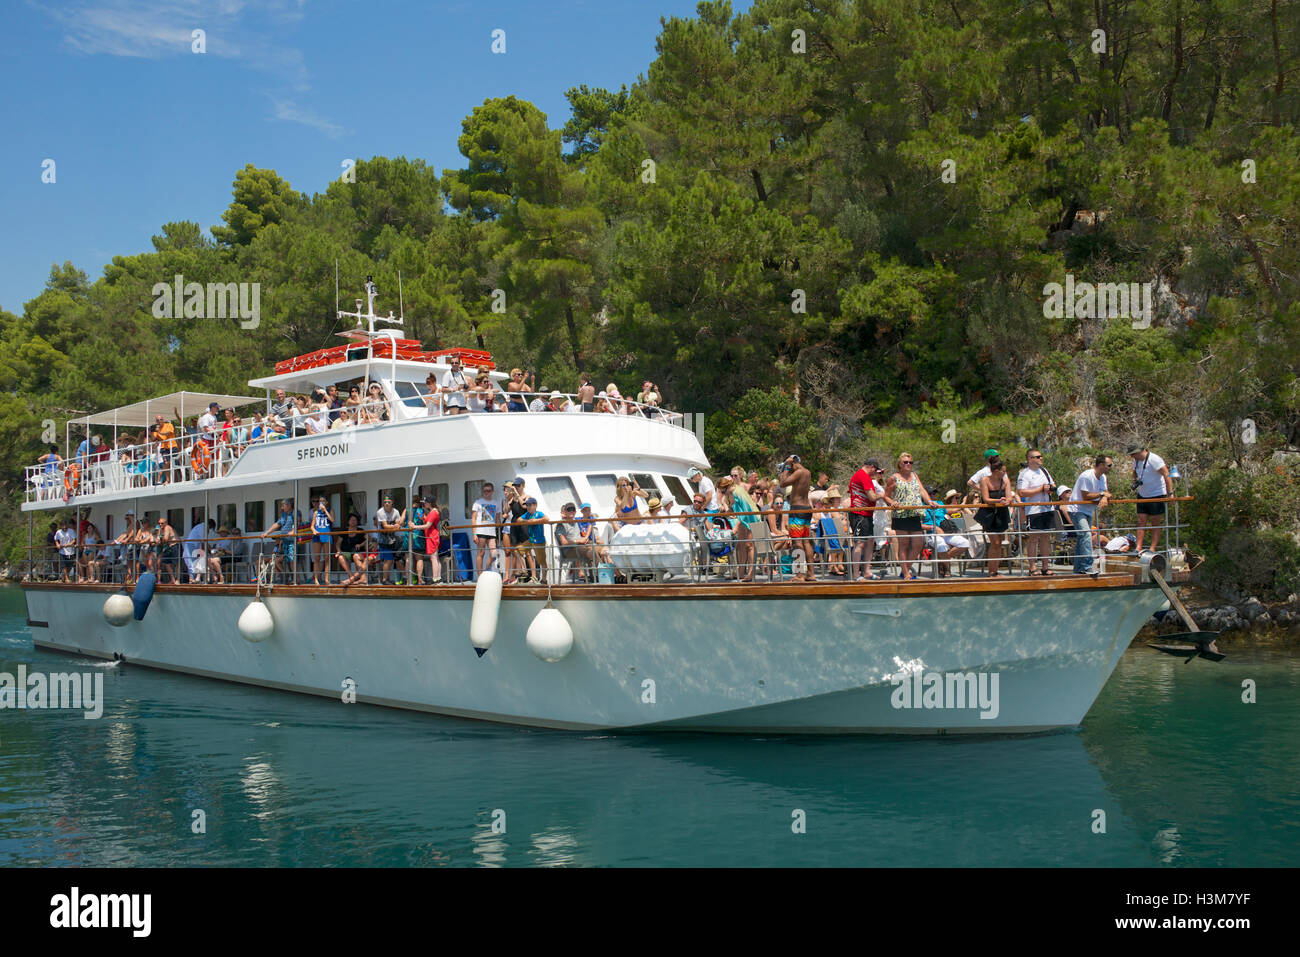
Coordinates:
(627, 509)
(322, 523)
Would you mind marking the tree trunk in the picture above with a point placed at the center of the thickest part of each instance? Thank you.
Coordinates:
(1277, 66)
(573, 335)
(1168, 108)
(1214, 98)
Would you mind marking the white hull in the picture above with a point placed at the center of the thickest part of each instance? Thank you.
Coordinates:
(752, 664)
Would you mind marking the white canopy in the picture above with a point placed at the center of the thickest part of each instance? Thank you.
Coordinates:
(187, 403)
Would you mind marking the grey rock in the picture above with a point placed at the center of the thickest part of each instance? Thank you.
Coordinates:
(1253, 608)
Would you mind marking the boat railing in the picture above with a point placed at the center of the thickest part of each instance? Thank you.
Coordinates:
(192, 457)
(718, 547)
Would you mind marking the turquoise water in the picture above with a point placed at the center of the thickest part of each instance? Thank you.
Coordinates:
(1185, 772)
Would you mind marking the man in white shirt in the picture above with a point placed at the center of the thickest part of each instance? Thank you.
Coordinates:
(1090, 493)
(193, 552)
(483, 515)
(1034, 484)
(208, 425)
(454, 386)
(66, 541)
(1151, 480)
(704, 485)
(974, 480)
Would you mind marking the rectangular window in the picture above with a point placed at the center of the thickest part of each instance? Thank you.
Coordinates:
(410, 394)
(473, 491)
(196, 515)
(648, 483)
(602, 493)
(440, 492)
(226, 517)
(357, 507)
(254, 518)
(556, 491)
(678, 490)
(151, 519)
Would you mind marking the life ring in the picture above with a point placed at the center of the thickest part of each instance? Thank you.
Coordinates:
(72, 479)
(201, 458)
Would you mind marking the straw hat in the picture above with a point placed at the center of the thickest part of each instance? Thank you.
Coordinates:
(653, 502)
(833, 492)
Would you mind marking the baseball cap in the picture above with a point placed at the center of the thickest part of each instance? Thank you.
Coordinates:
(566, 506)
(530, 501)
(989, 453)
(213, 405)
(1061, 490)
(693, 471)
(130, 511)
(517, 481)
(585, 505)
(1131, 450)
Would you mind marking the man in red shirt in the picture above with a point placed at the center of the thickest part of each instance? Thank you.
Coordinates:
(862, 498)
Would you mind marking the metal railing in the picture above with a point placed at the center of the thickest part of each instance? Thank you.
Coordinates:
(715, 550)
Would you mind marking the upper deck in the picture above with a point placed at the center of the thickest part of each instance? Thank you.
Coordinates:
(411, 437)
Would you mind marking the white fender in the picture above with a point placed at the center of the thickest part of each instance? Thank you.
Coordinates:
(256, 623)
(119, 609)
(487, 607)
(549, 636)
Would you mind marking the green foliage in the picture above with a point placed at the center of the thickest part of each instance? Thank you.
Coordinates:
(1244, 526)
(262, 199)
(947, 440)
(761, 429)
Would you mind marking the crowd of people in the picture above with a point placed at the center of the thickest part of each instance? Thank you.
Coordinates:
(783, 526)
(206, 445)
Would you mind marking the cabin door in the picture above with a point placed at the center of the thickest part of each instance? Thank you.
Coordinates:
(337, 497)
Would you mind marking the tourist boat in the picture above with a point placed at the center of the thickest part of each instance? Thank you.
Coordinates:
(952, 655)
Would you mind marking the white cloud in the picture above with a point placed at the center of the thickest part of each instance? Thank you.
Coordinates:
(290, 112)
(235, 30)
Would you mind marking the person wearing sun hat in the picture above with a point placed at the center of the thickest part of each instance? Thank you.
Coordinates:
(974, 480)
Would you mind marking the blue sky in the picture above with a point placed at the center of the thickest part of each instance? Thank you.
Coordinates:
(144, 131)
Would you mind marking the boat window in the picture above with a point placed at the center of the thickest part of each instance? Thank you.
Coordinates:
(602, 493)
(196, 515)
(440, 493)
(397, 494)
(678, 490)
(648, 483)
(410, 394)
(254, 517)
(556, 491)
(357, 507)
(226, 516)
(473, 489)
(151, 519)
